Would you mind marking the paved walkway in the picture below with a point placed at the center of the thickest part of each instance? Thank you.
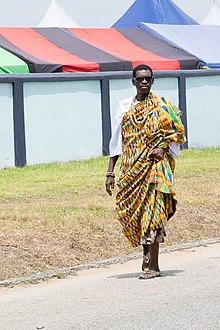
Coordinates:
(187, 296)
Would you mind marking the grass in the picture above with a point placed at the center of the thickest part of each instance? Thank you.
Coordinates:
(59, 215)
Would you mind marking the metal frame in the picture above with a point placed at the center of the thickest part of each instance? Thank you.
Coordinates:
(104, 78)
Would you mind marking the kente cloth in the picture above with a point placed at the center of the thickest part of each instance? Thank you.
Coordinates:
(146, 193)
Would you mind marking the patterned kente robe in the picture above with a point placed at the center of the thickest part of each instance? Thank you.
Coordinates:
(146, 196)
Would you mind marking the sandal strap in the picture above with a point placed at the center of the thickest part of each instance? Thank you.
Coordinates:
(146, 258)
(151, 273)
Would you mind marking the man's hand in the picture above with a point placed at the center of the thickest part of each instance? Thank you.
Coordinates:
(157, 154)
(110, 184)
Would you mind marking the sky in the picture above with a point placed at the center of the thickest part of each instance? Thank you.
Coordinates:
(86, 13)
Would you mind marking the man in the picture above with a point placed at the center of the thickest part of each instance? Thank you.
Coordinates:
(147, 136)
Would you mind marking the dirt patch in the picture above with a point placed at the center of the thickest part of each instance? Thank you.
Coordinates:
(56, 216)
(27, 248)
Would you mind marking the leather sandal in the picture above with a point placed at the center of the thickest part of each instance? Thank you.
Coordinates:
(149, 273)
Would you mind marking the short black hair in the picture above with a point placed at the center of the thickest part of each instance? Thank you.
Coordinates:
(142, 67)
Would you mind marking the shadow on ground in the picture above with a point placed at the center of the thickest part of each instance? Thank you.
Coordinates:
(165, 273)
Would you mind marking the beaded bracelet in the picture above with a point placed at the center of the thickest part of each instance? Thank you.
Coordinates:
(110, 174)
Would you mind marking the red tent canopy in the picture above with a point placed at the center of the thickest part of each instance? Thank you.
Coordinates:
(92, 50)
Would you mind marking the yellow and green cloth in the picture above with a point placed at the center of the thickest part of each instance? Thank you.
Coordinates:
(146, 195)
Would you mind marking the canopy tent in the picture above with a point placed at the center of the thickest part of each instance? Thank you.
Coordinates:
(199, 40)
(92, 50)
(153, 11)
(10, 63)
(56, 17)
(213, 16)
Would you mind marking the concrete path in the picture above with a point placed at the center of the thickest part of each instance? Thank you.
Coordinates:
(187, 296)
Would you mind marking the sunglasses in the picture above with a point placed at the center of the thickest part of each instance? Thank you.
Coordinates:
(140, 79)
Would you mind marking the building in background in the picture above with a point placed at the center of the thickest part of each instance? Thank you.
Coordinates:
(86, 13)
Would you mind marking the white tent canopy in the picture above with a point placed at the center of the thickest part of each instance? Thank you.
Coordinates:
(213, 16)
(56, 17)
(201, 41)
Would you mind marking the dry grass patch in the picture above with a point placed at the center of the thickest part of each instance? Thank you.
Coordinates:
(59, 215)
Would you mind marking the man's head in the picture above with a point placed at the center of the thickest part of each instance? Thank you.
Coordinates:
(143, 78)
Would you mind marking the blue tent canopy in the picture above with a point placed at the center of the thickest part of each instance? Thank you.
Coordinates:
(201, 41)
(153, 11)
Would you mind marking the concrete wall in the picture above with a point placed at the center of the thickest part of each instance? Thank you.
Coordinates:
(60, 117)
(203, 113)
(62, 120)
(6, 126)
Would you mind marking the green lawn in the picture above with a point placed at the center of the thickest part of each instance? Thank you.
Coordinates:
(59, 215)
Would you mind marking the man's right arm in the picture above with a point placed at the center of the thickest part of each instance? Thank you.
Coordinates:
(115, 145)
(110, 175)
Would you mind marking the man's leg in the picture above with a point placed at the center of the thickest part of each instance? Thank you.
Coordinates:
(152, 270)
(154, 256)
(146, 257)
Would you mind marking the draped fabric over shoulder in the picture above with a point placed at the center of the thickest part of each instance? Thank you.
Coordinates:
(146, 196)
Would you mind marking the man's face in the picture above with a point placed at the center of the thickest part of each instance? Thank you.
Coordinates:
(143, 81)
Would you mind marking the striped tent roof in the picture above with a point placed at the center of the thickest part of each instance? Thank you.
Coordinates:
(92, 50)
